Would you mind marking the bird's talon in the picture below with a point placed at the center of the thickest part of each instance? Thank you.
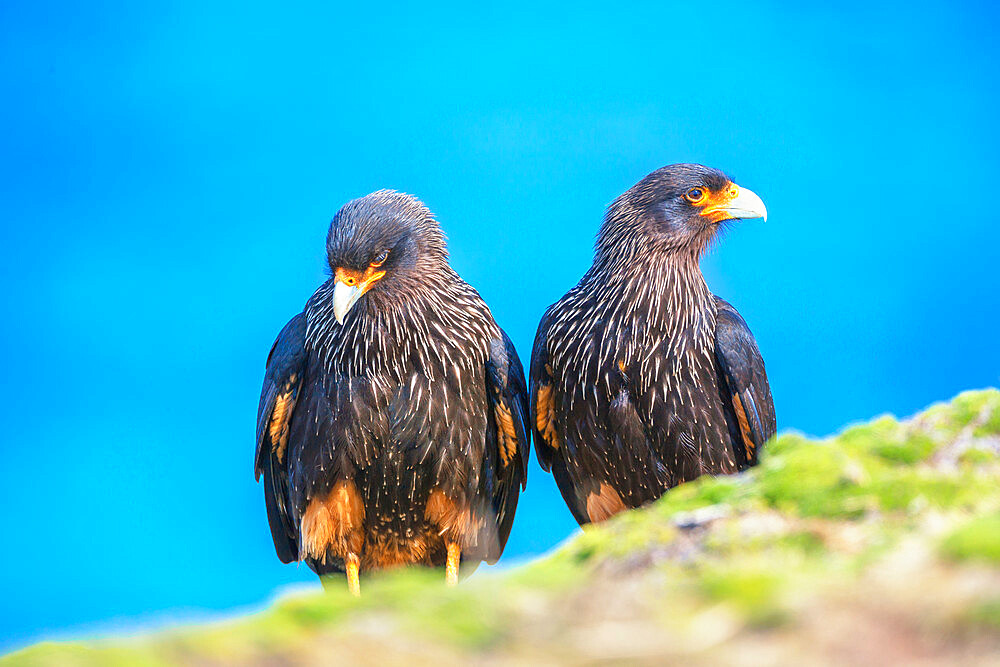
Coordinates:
(451, 566)
(352, 563)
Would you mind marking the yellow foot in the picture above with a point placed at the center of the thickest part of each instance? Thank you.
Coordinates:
(451, 566)
(353, 581)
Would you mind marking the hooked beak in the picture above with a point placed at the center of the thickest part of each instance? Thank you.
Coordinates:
(743, 205)
(344, 296)
(746, 205)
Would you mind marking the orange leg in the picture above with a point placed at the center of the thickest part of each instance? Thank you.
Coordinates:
(352, 562)
(451, 566)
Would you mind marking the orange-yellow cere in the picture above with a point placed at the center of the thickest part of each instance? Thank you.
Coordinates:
(716, 203)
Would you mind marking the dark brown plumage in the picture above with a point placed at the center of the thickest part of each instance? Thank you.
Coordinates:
(640, 377)
(392, 426)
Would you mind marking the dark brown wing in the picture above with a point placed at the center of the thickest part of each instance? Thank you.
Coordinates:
(546, 412)
(743, 386)
(542, 404)
(507, 397)
(283, 381)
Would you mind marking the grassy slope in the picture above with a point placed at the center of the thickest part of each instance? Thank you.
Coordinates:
(882, 543)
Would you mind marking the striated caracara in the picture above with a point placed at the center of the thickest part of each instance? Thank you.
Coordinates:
(641, 378)
(392, 427)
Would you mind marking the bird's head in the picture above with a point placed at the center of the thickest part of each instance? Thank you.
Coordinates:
(379, 245)
(679, 207)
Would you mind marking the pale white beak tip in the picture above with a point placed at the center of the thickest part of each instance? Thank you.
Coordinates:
(747, 205)
(344, 297)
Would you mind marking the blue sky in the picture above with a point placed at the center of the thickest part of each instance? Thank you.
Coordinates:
(168, 172)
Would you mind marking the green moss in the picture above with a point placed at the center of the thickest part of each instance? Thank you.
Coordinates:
(985, 614)
(865, 437)
(755, 593)
(978, 539)
(785, 442)
(814, 480)
(805, 542)
(313, 611)
(913, 448)
(991, 418)
(49, 654)
(547, 574)
(457, 617)
(968, 406)
(975, 456)
(900, 491)
(703, 492)
(888, 440)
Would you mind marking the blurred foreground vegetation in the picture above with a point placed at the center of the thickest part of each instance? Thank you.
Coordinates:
(880, 544)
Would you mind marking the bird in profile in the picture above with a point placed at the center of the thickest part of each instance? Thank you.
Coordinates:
(640, 377)
(393, 421)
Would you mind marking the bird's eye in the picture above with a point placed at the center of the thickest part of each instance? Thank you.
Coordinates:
(380, 258)
(694, 195)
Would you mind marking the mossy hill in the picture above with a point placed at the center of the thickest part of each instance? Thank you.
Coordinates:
(878, 545)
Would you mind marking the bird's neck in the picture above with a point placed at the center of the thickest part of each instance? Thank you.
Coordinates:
(440, 320)
(667, 289)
